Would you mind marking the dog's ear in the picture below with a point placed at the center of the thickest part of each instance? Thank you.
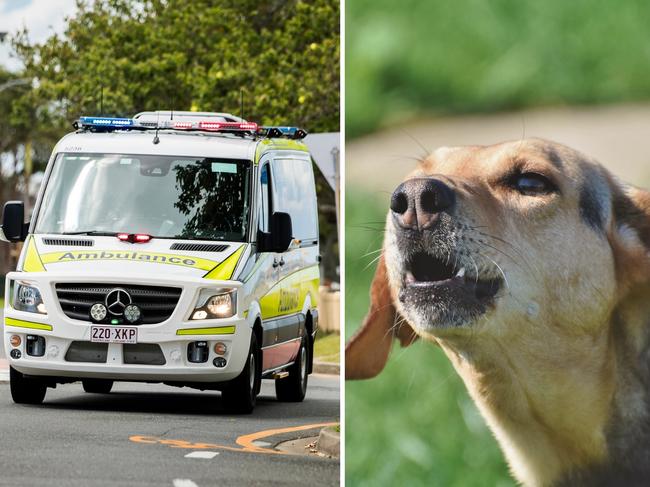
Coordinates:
(367, 351)
(631, 242)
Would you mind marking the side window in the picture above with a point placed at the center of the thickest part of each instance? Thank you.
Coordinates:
(294, 193)
(265, 198)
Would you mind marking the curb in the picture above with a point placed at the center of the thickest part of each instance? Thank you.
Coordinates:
(326, 368)
(329, 442)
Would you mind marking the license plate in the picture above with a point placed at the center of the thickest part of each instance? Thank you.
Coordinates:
(113, 334)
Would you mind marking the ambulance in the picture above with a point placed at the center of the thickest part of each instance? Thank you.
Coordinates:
(171, 247)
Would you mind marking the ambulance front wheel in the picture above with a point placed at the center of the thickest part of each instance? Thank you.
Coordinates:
(294, 387)
(241, 394)
(26, 390)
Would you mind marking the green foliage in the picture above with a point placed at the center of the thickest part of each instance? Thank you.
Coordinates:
(18, 117)
(158, 54)
(405, 59)
(414, 424)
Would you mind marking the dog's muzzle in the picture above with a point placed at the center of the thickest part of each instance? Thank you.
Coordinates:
(442, 283)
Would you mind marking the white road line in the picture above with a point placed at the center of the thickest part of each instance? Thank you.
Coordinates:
(184, 483)
(202, 454)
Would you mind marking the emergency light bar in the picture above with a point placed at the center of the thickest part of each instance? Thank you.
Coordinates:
(103, 124)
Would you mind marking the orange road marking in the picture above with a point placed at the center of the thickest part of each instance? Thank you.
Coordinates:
(245, 441)
(151, 440)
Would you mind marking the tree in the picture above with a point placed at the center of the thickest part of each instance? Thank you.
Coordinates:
(145, 55)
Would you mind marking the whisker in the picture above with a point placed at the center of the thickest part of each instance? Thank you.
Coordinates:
(367, 254)
(373, 261)
(426, 151)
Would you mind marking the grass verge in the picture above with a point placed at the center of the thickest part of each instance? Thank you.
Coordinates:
(327, 347)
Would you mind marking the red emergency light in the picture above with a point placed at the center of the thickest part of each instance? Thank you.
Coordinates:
(134, 237)
(218, 126)
(183, 125)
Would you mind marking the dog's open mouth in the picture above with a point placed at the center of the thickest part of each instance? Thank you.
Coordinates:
(445, 292)
(426, 270)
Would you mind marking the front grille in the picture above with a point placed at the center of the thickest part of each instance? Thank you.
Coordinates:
(157, 303)
(195, 247)
(76, 242)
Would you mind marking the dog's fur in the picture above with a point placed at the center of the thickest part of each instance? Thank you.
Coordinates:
(559, 362)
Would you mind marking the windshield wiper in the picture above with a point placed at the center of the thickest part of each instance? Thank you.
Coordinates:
(194, 237)
(95, 233)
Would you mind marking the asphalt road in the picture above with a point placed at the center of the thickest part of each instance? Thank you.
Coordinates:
(142, 434)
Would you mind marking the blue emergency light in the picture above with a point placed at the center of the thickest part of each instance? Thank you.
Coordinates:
(288, 132)
(108, 122)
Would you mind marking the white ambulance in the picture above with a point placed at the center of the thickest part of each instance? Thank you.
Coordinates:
(170, 247)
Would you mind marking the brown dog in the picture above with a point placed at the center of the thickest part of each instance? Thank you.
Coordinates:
(529, 265)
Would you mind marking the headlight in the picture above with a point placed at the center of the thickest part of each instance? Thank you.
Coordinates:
(27, 297)
(215, 303)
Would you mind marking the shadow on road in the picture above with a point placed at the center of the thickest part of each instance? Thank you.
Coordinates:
(184, 404)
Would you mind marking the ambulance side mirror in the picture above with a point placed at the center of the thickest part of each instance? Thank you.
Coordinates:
(280, 236)
(14, 228)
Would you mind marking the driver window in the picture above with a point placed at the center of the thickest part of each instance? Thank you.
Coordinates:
(265, 199)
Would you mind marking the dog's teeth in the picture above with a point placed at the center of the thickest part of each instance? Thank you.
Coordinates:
(461, 272)
(409, 278)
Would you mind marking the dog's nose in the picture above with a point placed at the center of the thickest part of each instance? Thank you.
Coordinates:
(417, 203)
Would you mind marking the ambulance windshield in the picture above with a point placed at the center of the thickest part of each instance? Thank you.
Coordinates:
(162, 196)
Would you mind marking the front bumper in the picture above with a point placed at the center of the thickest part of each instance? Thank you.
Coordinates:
(62, 331)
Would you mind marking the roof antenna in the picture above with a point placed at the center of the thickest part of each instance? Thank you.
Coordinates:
(156, 139)
(241, 103)
(101, 101)
(172, 110)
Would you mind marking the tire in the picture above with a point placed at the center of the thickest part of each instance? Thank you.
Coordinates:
(294, 387)
(26, 390)
(240, 395)
(97, 386)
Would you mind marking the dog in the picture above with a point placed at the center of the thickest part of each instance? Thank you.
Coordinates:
(528, 264)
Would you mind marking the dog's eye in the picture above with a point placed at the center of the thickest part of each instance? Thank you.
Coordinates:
(532, 184)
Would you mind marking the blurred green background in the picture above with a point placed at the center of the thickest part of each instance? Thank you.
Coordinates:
(419, 71)
(414, 57)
